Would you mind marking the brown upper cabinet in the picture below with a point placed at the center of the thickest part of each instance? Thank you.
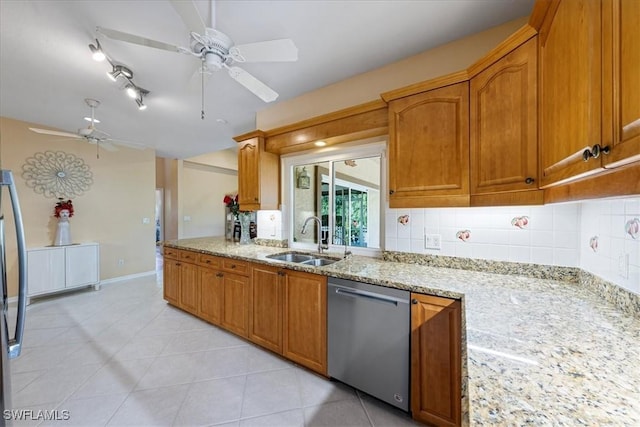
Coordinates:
(503, 112)
(258, 174)
(429, 148)
(621, 82)
(589, 85)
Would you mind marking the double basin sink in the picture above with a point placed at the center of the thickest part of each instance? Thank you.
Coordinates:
(302, 258)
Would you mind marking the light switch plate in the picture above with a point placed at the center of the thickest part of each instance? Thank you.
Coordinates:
(623, 265)
(433, 241)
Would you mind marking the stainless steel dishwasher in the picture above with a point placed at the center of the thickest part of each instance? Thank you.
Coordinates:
(368, 328)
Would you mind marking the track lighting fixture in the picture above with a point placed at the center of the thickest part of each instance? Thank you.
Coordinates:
(119, 70)
(96, 51)
(123, 73)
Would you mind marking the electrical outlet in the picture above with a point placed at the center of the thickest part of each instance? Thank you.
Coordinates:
(432, 241)
(146, 220)
(623, 265)
(187, 218)
(120, 262)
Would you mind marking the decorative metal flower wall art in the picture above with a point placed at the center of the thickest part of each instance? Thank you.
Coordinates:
(57, 174)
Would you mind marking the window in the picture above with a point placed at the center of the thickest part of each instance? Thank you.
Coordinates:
(343, 189)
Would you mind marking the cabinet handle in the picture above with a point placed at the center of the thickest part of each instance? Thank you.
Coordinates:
(178, 264)
(595, 152)
(208, 261)
(281, 273)
(219, 274)
(255, 198)
(233, 266)
(529, 181)
(414, 301)
(598, 149)
(391, 191)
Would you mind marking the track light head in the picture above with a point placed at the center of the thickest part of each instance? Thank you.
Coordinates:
(132, 90)
(96, 52)
(141, 105)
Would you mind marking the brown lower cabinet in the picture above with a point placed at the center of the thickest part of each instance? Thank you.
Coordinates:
(436, 360)
(281, 310)
(305, 320)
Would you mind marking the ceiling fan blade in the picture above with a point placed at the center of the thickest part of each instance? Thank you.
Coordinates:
(260, 89)
(132, 38)
(55, 133)
(282, 50)
(190, 16)
(128, 144)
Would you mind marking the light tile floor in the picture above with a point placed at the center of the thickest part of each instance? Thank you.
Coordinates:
(122, 356)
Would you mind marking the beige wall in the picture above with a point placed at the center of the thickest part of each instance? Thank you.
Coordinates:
(445, 59)
(111, 212)
(202, 193)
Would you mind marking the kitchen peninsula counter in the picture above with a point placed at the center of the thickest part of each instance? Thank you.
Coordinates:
(535, 351)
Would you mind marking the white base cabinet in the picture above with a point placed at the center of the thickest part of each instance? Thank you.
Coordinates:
(56, 268)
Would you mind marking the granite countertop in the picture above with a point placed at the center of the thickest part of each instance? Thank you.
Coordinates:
(535, 351)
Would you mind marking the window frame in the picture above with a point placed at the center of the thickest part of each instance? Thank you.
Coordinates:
(358, 149)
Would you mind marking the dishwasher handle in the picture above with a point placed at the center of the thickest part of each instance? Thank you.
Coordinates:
(356, 293)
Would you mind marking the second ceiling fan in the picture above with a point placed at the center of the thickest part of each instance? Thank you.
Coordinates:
(216, 50)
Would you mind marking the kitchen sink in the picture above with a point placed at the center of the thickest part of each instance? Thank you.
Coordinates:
(319, 262)
(291, 257)
(306, 259)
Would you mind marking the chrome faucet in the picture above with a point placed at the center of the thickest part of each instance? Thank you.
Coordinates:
(319, 226)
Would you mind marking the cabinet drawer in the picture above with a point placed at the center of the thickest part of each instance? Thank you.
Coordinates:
(187, 256)
(170, 252)
(235, 266)
(209, 261)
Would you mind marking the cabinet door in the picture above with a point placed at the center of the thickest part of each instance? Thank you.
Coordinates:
(570, 90)
(189, 287)
(249, 174)
(211, 295)
(171, 281)
(305, 320)
(436, 360)
(621, 82)
(504, 105)
(235, 316)
(81, 265)
(429, 148)
(45, 270)
(265, 310)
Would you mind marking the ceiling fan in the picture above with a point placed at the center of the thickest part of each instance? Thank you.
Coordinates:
(216, 50)
(91, 134)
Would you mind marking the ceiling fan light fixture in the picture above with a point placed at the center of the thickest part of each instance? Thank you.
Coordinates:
(96, 52)
(92, 120)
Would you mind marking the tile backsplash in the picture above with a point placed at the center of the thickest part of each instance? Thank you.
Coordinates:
(610, 241)
(530, 234)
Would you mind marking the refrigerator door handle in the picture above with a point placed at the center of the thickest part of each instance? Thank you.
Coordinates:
(15, 344)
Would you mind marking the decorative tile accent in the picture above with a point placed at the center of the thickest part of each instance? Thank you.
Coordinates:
(632, 228)
(403, 219)
(520, 221)
(593, 243)
(463, 235)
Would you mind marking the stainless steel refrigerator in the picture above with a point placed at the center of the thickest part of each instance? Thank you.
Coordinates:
(11, 346)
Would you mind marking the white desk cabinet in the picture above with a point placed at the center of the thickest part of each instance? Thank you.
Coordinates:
(57, 268)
